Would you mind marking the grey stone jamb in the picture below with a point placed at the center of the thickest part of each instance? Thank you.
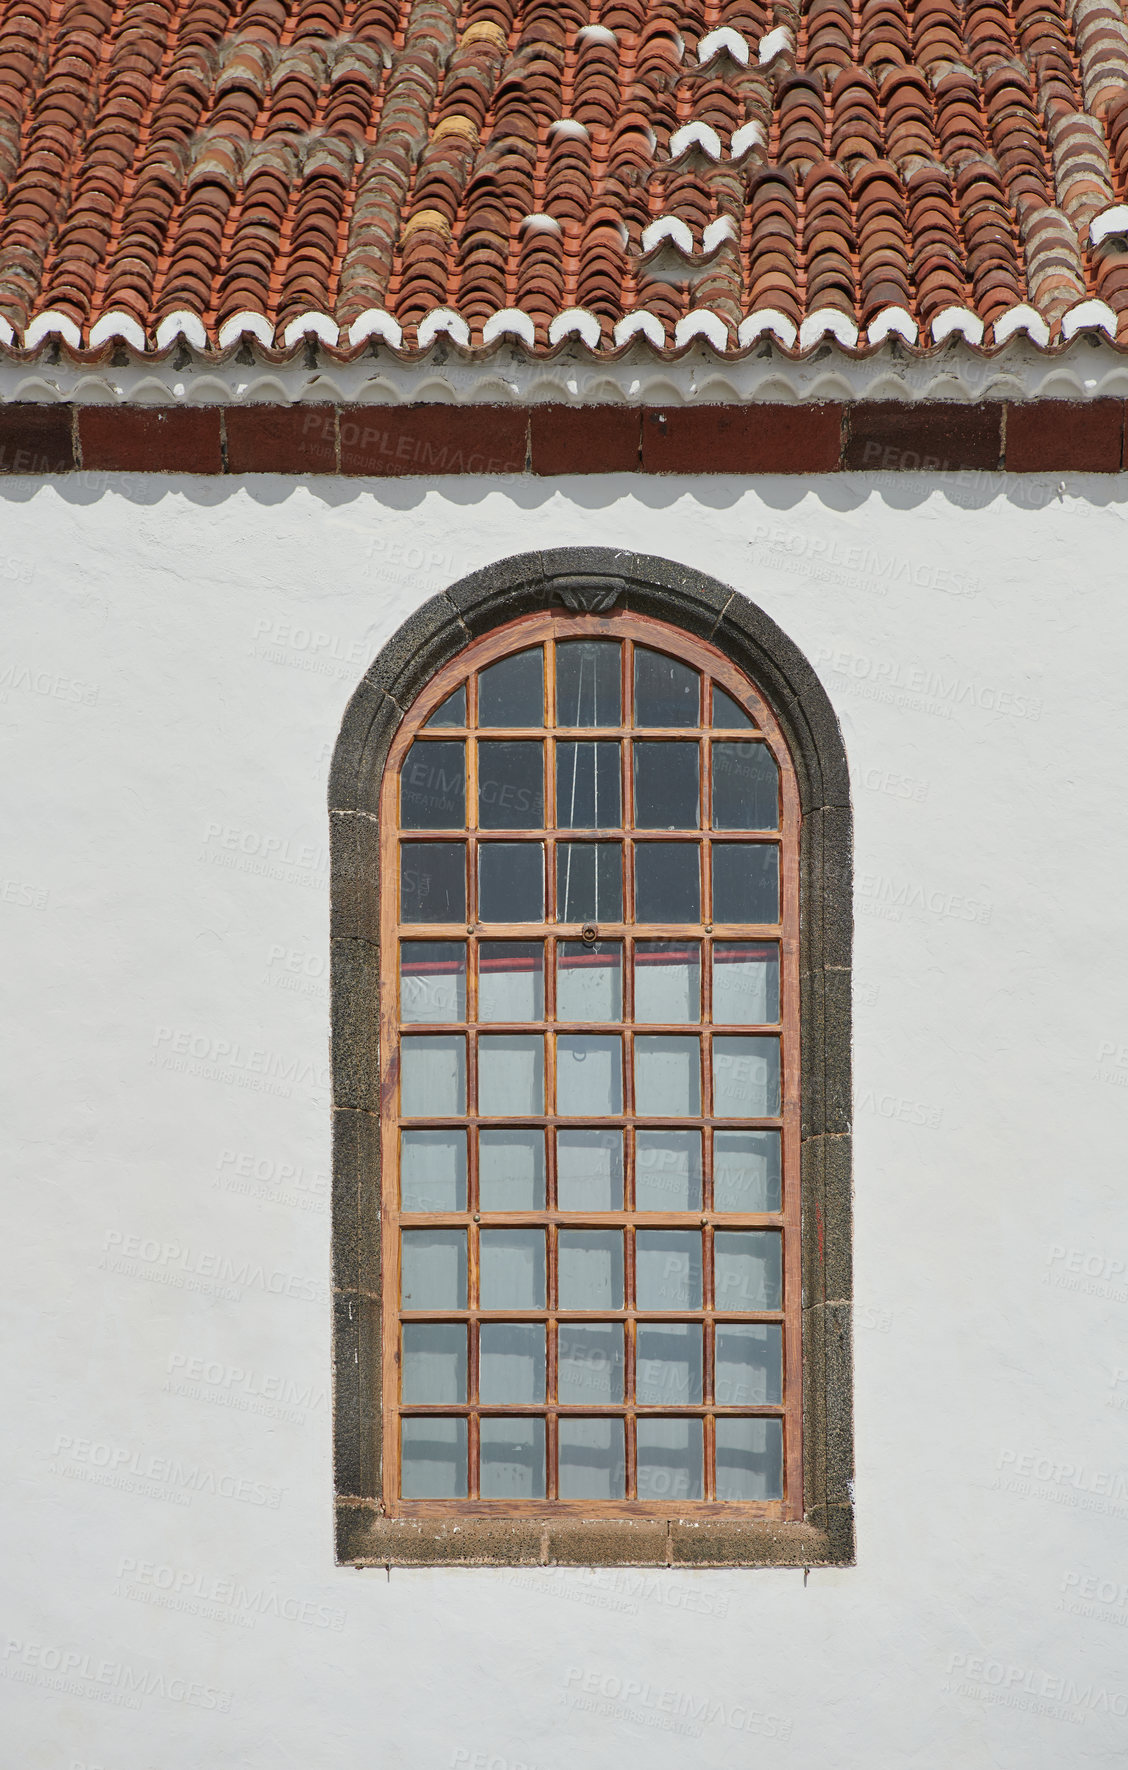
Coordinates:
(435, 633)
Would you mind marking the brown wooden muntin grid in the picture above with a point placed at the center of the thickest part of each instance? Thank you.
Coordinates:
(544, 630)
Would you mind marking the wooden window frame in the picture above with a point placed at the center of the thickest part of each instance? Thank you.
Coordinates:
(515, 604)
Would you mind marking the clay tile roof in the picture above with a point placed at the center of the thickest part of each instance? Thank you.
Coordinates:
(321, 159)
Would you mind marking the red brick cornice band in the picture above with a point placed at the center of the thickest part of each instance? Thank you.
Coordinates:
(382, 442)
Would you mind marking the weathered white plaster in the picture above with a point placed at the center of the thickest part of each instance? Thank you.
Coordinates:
(176, 658)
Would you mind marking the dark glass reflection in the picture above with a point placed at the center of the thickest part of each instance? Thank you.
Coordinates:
(666, 692)
(433, 787)
(745, 882)
(745, 787)
(510, 785)
(589, 882)
(667, 882)
(588, 687)
(512, 692)
(511, 882)
(588, 786)
(726, 714)
(666, 786)
(433, 881)
(452, 711)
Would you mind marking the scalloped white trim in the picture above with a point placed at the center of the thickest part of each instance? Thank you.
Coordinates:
(181, 324)
(246, 324)
(690, 135)
(118, 325)
(311, 325)
(7, 333)
(576, 322)
(767, 319)
(702, 322)
(775, 43)
(1089, 316)
(510, 322)
(442, 319)
(827, 322)
(957, 319)
(375, 322)
(647, 323)
(668, 227)
(1021, 318)
(44, 325)
(723, 38)
(748, 136)
(1108, 223)
(718, 231)
(570, 128)
(892, 321)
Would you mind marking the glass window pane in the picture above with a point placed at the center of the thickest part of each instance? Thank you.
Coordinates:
(434, 1268)
(589, 787)
(745, 1077)
(667, 1076)
(669, 1459)
(589, 882)
(432, 981)
(668, 1364)
(666, 692)
(511, 980)
(668, 1269)
(747, 1270)
(667, 882)
(667, 981)
(511, 1361)
(588, 682)
(589, 980)
(589, 1170)
(667, 789)
(749, 1364)
(511, 882)
(667, 1170)
(433, 1459)
(591, 1268)
(589, 1075)
(745, 787)
(510, 786)
(589, 1363)
(433, 786)
(452, 711)
(512, 691)
(512, 1458)
(433, 881)
(511, 1170)
(745, 882)
(433, 1076)
(727, 715)
(750, 1459)
(434, 1361)
(511, 1269)
(746, 1171)
(433, 1171)
(592, 1461)
(745, 983)
(510, 1074)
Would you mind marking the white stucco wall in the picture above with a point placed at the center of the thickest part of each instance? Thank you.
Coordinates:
(175, 658)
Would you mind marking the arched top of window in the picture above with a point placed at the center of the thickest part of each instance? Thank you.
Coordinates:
(586, 1211)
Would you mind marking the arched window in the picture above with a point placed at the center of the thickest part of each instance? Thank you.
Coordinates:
(583, 1188)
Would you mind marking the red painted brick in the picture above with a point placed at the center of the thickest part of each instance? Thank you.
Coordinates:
(391, 441)
(889, 437)
(742, 439)
(36, 439)
(585, 439)
(1056, 436)
(144, 439)
(281, 439)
